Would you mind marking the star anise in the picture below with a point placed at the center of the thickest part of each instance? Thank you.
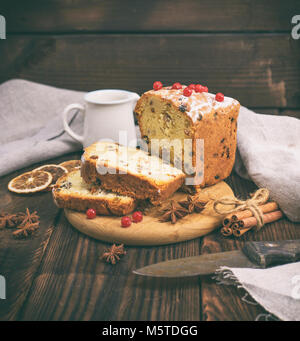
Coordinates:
(173, 213)
(113, 254)
(27, 230)
(28, 226)
(193, 204)
(29, 217)
(11, 220)
(26, 223)
(6, 220)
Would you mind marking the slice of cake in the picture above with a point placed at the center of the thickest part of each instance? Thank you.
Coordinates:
(72, 192)
(131, 172)
(175, 114)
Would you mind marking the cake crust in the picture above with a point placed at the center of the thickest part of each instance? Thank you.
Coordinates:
(130, 180)
(71, 192)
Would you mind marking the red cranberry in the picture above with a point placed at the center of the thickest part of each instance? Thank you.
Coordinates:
(199, 88)
(187, 92)
(157, 85)
(176, 86)
(137, 216)
(91, 213)
(219, 97)
(125, 222)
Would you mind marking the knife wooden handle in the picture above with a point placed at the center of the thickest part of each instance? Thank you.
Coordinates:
(273, 253)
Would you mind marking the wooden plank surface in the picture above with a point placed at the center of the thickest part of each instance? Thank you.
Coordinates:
(153, 15)
(74, 284)
(19, 259)
(258, 70)
(68, 281)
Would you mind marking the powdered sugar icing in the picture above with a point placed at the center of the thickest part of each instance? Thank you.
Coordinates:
(195, 105)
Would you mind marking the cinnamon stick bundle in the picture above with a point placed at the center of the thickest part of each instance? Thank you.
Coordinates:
(236, 216)
(248, 223)
(268, 218)
(240, 232)
(242, 222)
(226, 231)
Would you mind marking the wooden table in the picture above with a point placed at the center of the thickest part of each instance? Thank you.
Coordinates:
(57, 274)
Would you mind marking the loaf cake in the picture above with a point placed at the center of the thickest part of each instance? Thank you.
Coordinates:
(166, 114)
(72, 192)
(130, 172)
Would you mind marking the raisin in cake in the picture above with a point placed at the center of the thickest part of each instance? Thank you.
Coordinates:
(72, 192)
(166, 114)
(130, 172)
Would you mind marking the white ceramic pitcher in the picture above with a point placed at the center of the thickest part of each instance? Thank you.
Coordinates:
(107, 112)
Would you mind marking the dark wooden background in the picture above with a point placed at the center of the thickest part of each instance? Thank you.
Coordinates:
(241, 48)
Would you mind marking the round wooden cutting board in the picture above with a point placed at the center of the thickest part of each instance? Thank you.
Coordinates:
(150, 231)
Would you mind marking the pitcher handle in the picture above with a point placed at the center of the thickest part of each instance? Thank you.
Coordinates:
(67, 128)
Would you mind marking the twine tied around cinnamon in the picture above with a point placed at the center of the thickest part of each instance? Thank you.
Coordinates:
(258, 198)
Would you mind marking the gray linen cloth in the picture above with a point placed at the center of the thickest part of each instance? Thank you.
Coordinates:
(31, 124)
(277, 289)
(269, 154)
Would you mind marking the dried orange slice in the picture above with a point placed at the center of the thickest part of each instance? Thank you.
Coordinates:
(55, 170)
(71, 165)
(30, 182)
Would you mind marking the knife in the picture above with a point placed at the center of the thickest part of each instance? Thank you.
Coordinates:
(255, 255)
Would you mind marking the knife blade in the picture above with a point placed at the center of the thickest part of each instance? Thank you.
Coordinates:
(253, 255)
